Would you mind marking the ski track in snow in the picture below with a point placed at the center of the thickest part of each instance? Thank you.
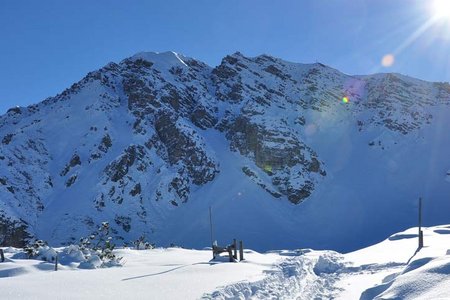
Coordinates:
(304, 277)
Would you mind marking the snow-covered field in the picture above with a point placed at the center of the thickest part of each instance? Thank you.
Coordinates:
(389, 270)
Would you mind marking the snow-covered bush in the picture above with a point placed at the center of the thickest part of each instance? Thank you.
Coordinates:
(95, 251)
(85, 258)
(75, 253)
(40, 250)
(92, 262)
(98, 249)
(141, 244)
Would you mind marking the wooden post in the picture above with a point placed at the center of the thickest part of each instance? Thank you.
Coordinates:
(235, 249)
(56, 262)
(241, 251)
(421, 239)
(230, 253)
(420, 225)
(211, 231)
(2, 256)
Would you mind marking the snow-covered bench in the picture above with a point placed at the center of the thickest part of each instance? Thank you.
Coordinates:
(229, 249)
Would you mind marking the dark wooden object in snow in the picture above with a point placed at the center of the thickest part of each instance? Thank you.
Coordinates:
(231, 250)
(217, 250)
(420, 225)
(241, 251)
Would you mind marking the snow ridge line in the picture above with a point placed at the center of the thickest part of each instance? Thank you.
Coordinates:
(300, 277)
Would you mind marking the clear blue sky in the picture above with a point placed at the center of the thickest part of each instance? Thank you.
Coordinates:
(45, 46)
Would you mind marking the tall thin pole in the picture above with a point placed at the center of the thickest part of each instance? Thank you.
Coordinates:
(211, 226)
(420, 214)
(420, 224)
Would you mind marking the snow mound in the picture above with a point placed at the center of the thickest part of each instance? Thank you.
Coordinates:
(328, 263)
(93, 262)
(425, 276)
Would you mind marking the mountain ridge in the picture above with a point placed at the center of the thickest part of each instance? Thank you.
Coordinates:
(141, 141)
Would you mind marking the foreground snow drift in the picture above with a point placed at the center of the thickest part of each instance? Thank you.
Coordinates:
(391, 269)
(426, 275)
(146, 274)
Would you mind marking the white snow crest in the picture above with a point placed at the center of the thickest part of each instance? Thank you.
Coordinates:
(163, 59)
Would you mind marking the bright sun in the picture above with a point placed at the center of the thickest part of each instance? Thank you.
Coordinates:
(441, 9)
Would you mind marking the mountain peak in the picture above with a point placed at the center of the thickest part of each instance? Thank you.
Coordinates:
(164, 60)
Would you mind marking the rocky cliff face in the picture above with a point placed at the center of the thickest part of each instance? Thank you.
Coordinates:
(131, 142)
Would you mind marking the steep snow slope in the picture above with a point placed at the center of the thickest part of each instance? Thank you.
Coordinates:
(151, 143)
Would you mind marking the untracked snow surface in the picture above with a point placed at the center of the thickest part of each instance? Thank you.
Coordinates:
(391, 269)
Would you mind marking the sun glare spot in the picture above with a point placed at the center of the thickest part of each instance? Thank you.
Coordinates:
(441, 9)
(387, 60)
(345, 100)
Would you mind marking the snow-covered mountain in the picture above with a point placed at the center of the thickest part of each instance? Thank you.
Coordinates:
(273, 147)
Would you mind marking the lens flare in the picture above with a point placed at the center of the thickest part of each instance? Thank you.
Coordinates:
(345, 100)
(387, 60)
(310, 129)
(268, 168)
